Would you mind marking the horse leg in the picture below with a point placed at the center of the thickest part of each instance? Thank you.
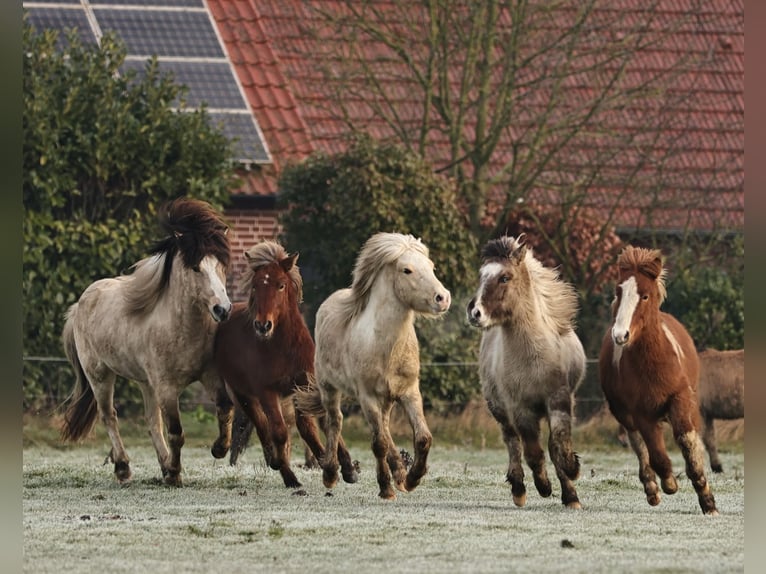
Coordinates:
(645, 472)
(658, 456)
(154, 419)
(103, 391)
(528, 425)
(515, 474)
(422, 438)
(224, 408)
(382, 447)
(565, 460)
(347, 468)
(168, 400)
(708, 438)
(280, 439)
(690, 444)
(333, 425)
(307, 427)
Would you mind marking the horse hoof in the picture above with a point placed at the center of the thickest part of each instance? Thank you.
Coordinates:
(403, 486)
(219, 451)
(122, 472)
(544, 488)
(574, 505)
(329, 478)
(669, 485)
(712, 512)
(411, 484)
(173, 480)
(387, 494)
(716, 468)
(653, 499)
(520, 500)
(294, 483)
(350, 477)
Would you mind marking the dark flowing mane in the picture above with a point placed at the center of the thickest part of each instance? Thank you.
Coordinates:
(647, 262)
(265, 253)
(194, 230)
(377, 252)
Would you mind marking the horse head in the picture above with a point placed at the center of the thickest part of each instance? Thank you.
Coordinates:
(504, 280)
(640, 292)
(416, 284)
(273, 292)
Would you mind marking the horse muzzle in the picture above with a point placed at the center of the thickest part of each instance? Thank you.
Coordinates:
(220, 312)
(263, 329)
(620, 338)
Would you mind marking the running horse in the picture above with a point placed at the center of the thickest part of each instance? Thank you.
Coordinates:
(154, 326)
(264, 353)
(649, 372)
(366, 348)
(530, 362)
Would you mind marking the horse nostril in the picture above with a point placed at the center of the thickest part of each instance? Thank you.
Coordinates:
(263, 328)
(439, 298)
(220, 312)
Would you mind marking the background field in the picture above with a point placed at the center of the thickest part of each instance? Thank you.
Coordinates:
(461, 518)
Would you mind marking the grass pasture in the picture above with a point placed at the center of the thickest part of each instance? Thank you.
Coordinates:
(460, 519)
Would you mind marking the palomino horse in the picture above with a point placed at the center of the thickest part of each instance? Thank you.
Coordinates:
(530, 362)
(155, 326)
(649, 373)
(367, 348)
(721, 394)
(265, 352)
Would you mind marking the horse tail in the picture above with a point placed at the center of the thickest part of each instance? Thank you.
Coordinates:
(80, 415)
(308, 399)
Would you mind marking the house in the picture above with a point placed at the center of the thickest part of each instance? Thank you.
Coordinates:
(277, 65)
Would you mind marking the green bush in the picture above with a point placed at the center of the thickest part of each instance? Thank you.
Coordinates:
(335, 203)
(101, 150)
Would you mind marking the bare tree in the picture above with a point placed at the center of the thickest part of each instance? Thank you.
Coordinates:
(587, 105)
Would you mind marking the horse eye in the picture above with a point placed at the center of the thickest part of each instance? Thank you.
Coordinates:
(407, 270)
(196, 269)
(645, 297)
(281, 286)
(504, 279)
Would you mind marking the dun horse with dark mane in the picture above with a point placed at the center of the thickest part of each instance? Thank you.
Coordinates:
(156, 327)
(649, 373)
(530, 362)
(265, 352)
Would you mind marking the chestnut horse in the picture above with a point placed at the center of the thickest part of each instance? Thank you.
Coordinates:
(154, 326)
(649, 372)
(367, 348)
(264, 352)
(530, 362)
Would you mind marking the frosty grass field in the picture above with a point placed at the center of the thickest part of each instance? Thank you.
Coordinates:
(460, 519)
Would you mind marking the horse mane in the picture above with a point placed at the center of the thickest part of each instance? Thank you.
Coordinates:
(557, 299)
(648, 262)
(265, 253)
(377, 252)
(194, 230)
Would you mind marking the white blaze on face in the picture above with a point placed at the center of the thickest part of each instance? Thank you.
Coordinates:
(628, 302)
(209, 268)
(487, 273)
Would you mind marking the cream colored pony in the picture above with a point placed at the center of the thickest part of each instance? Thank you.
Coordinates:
(156, 327)
(530, 362)
(366, 347)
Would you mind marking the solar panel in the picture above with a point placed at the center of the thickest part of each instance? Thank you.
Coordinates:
(181, 34)
(163, 33)
(208, 82)
(62, 19)
(242, 128)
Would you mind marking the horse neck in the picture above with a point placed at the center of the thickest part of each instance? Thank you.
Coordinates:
(178, 302)
(392, 319)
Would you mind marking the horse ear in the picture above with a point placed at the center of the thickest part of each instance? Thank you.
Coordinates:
(519, 254)
(248, 256)
(288, 262)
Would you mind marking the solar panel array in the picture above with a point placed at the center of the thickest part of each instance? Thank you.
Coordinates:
(182, 35)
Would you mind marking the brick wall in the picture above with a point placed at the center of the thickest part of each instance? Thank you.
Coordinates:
(248, 227)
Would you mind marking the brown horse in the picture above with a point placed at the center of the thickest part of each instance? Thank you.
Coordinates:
(721, 394)
(265, 352)
(156, 327)
(530, 362)
(649, 373)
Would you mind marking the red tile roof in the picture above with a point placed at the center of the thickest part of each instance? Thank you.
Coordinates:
(279, 65)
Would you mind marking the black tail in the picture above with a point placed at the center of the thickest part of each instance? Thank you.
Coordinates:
(241, 430)
(82, 411)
